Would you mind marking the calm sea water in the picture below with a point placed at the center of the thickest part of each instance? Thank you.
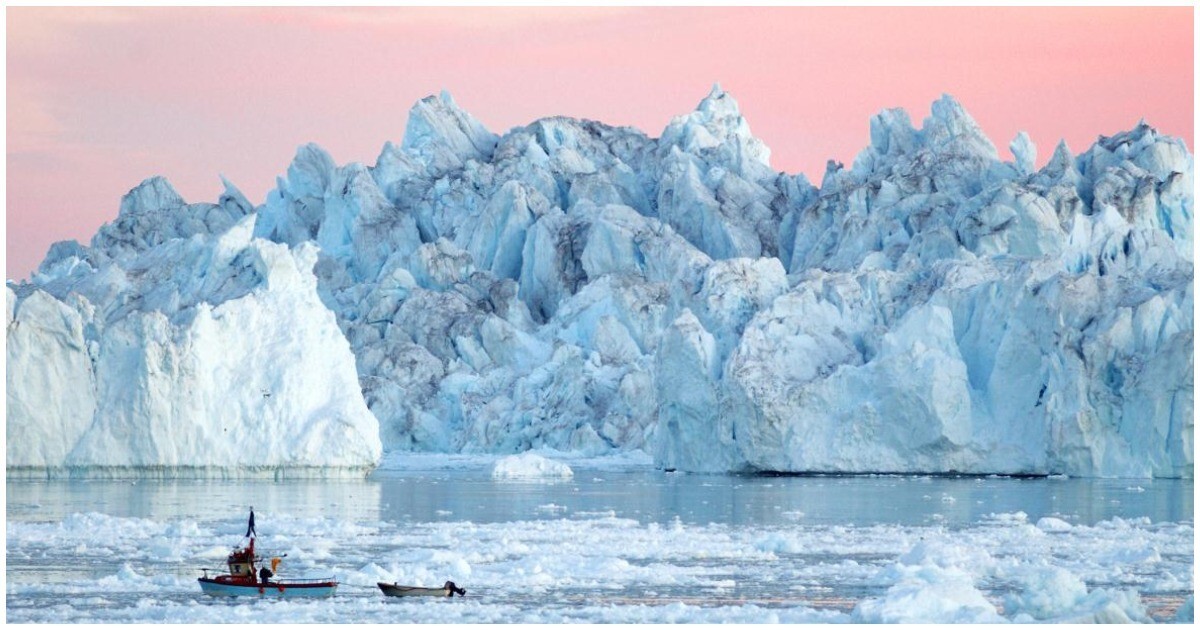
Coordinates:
(646, 496)
(714, 543)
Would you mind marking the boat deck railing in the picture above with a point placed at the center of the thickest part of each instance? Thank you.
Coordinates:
(286, 582)
(294, 581)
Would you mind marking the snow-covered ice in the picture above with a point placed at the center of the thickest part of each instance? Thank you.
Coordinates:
(589, 289)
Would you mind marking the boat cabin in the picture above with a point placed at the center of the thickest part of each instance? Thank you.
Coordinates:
(241, 564)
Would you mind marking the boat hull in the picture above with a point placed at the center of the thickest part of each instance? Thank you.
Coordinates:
(286, 590)
(396, 590)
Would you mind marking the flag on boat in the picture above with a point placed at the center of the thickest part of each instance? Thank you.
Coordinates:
(250, 528)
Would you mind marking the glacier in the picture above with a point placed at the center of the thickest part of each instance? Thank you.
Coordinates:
(573, 286)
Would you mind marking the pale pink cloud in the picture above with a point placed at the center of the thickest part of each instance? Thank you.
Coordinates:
(99, 99)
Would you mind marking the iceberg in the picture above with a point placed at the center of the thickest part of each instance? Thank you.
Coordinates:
(585, 288)
(207, 353)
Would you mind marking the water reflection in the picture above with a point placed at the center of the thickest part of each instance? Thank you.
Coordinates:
(646, 496)
(747, 500)
(201, 500)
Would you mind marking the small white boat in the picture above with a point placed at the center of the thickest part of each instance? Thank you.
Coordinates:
(449, 589)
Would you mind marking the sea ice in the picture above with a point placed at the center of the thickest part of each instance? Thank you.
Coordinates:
(599, 568)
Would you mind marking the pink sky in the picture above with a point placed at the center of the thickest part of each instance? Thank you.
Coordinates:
(100, 99)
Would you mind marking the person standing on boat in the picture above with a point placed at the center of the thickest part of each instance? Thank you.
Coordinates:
(265, 575)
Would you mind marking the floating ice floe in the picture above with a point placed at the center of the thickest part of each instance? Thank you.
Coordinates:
(596, 567)
(530, 466)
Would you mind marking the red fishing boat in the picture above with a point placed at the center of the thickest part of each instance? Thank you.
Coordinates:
(247, 578)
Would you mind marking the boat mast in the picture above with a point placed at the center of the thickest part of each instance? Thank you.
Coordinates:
(241, 561)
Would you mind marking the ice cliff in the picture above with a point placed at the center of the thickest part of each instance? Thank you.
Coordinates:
(582, 287)
(179, 341)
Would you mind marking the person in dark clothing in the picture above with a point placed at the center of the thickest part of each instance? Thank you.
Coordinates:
(265, 575)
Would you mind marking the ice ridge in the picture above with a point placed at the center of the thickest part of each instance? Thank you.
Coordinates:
(576, 286)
